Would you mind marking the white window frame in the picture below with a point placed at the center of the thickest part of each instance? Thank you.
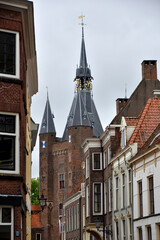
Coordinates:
(105, 197)
(39, 234)
(104, 159)
(98, 213)
(100, 161)
(123, 184)
(12, 220)
(109, 194)
(17, 62)
(17, 143)
(87, 167)
(123, 137)
(87, 201)
(109, 154)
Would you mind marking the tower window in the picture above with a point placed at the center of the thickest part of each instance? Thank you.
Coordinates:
(61, 181)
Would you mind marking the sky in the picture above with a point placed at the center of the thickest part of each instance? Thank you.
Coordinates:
(119, 35)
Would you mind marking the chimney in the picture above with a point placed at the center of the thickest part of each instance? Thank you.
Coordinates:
(149, 69)
(120, 103)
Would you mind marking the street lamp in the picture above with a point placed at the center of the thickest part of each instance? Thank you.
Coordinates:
(42, 201)
(98, 224)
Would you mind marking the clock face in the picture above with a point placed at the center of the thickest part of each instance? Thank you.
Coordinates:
(78, 84)
(88, 85)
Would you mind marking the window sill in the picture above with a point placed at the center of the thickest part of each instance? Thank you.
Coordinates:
(10, 79)
(10, 176)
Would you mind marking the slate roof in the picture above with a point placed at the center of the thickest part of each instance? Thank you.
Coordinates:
(83, 113)
(83, 70)
(36, 216)
(47, 125)
(147, 123)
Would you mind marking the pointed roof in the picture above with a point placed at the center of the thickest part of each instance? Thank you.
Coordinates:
(83, 70)
(83, 113)
(47, 125)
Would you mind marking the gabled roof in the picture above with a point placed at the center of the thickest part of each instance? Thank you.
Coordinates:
(47, 125)
(137, 100)
(36, 216)
(83, 113)
(147, 123)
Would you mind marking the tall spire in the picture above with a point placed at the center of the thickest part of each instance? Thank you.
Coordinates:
(83, 72)
(47, 125)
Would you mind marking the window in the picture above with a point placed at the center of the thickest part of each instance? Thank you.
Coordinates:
(151, 195)
(140, 234)
(158, 231)
(77, 216)
(97, 161)
(38, 236)
(130, 186)
(9, 53)
(97, 198)
(123, 136)
(140, 199)
(105, 197)
(67, 222)
(109, 154)
(123, 190)
(116, 193)
(130, 228)
(9, 143)
(72, 218)
(110, 193)
(87, 167)
(124, 229)
(6, 223)
(87, 200)
(61, 181)
(149, 233)
(117, 231)
(104, 159)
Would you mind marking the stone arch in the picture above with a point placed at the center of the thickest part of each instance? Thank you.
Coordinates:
(96, 234)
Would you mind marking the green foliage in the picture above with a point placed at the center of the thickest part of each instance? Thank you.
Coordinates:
(35, 190)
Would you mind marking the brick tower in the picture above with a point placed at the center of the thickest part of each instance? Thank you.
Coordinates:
(61, 159)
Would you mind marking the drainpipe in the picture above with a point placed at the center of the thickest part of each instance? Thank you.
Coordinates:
(103, 190)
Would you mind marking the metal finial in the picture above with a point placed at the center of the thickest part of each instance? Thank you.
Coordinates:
(125, 90)
(82, 24)
(47, 91)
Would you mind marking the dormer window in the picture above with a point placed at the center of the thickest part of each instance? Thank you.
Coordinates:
(123, 137)
(9, 54)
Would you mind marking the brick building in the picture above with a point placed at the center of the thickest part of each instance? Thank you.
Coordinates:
(18, 83)
(61, 159)
(76, 171)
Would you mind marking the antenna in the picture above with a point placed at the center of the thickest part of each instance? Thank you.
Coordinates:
(125, 90)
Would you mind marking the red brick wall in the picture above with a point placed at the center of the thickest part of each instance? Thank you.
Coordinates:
(13, 99)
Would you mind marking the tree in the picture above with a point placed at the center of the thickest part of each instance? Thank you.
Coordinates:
(35, 190)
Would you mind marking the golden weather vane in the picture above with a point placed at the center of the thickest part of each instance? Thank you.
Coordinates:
(82, 23)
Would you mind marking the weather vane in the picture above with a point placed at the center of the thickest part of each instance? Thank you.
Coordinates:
(82, 24)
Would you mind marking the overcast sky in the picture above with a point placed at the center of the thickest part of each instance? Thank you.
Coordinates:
(119, 35)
